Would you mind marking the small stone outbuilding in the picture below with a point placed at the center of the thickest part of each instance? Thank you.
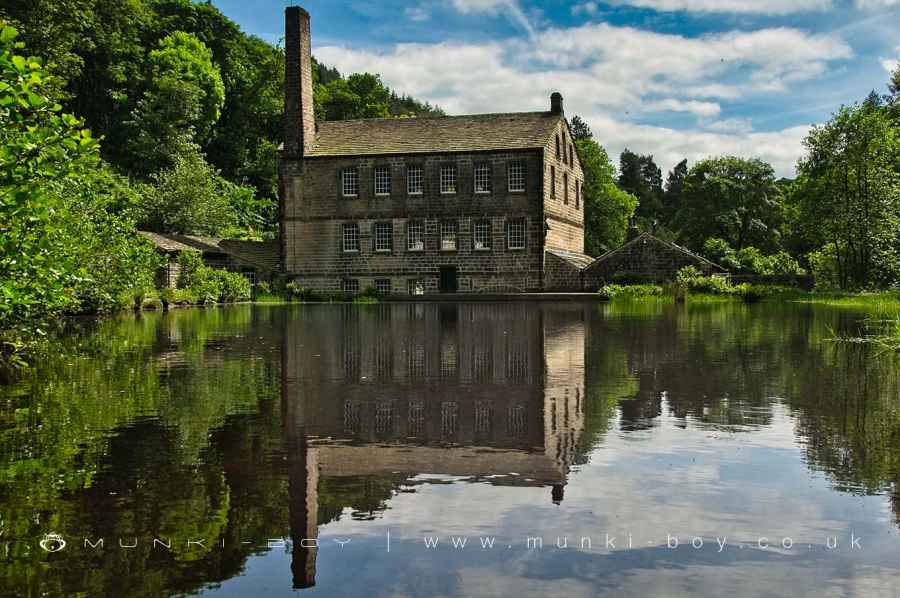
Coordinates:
(256, 260)
(644, 258)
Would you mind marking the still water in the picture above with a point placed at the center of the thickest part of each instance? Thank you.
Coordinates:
(444, 449)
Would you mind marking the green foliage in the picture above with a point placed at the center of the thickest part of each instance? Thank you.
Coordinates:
(192, 197)
(734, 199)
(848, 197)
(694, 281)
(181, 104)
(720, 252)
(633, 291)
(607, 209)
(640, 176)
(203, 284)
(580, 129)
(63, 247)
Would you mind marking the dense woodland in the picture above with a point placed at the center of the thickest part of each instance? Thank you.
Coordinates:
(163, 115)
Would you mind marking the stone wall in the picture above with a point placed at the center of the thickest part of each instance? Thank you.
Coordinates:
(564, 214)
(314, 211)
(646, 259)
(561, 274)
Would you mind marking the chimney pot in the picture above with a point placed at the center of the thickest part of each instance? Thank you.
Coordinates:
(556, 103)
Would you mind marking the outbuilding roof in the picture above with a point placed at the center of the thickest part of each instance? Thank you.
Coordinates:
(473, 133)
(262, 254)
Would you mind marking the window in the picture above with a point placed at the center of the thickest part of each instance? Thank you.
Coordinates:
(350, 285)
(382, 180)
(350, 182)
(571, 155)
(414, 180)
(448, 235)
(482, 178)
(515, 234)
(415, 236)
(553, 182)
(383, 285)
(384, 236)
(577, 195)
(566, 188)
(482, 235)
(557, 147)
(350, 237)
(416, 287)
(565, 158)
(448, 179)
(516, 176)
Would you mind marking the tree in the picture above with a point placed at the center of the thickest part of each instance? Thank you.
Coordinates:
(848, 194)
(674, 191)
(607, 209)
(580, 129)
(358, 96)
(735, 199)
(640, 176)
(62, 247)
(180, 105)
(192, 198)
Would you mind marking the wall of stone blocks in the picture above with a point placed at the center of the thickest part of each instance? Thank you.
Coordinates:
(314, 212)
(560, 274)
(644, 260)
(564, 218)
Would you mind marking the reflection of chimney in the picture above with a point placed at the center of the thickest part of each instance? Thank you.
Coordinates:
(303, 496)
(299, 114)
(557, 493)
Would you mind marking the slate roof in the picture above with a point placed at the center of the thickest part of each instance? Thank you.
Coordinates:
(645, 236)
(262, 254)
(481, 132)
(579, 260)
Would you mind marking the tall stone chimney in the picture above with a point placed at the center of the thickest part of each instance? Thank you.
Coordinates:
(299, 114)
(556, 103)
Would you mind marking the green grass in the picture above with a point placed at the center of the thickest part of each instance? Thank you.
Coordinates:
(884, 333)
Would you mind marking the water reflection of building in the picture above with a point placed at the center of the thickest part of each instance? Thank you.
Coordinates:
(471, 390)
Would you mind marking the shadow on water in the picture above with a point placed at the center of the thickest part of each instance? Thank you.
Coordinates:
(216, 431)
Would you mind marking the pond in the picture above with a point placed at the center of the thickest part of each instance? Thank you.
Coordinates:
(455, 449)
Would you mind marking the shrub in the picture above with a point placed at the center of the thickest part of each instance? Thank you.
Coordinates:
(719, 251)
(613, 291)
(691, 279)
(234, 286)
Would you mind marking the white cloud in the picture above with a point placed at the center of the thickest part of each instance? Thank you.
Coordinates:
(875, 4)
(418, 13)
(890, 64)
(509, 8)
(730, 125)
(586, 8)
(612, 74)
(768, 7)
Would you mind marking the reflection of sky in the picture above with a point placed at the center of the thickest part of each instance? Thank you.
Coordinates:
(688, 482)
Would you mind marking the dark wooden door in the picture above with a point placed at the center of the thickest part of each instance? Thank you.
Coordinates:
(448, 279)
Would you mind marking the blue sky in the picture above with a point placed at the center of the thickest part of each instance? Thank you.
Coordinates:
(675, 78)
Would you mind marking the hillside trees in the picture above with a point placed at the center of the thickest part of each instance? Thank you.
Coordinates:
(607, 208)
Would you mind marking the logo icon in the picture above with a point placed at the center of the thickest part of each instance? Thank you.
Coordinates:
(52, 542)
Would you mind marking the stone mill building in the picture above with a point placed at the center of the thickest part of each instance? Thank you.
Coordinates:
(479, 203)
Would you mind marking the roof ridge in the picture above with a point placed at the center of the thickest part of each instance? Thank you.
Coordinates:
(439, 117)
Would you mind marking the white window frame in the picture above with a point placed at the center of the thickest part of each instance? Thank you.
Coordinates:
(380, 286)
(448, 175)
(350, 183)
(449, 227)
(419, 227)
(515, 179)
(414, 174)
(510, 237)
(383, 237)
(479, 228)
(381, 178)
(484, 172)
(346, 227)
(350, 285)
(415, 286)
